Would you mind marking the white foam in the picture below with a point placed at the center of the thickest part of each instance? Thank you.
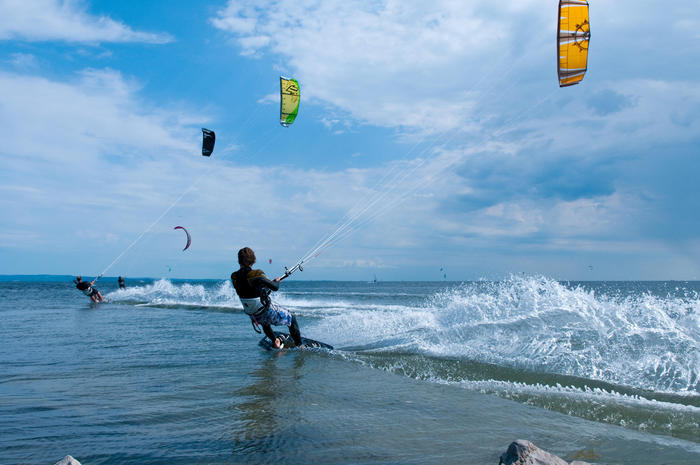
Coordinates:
(535, 323)
(539, 324)
(164, 292)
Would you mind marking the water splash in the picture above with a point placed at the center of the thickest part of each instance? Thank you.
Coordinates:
(629, 358)
(541, 325)
(165, 293)
(637, 339)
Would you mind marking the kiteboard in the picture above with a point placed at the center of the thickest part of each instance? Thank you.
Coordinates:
(288, 343)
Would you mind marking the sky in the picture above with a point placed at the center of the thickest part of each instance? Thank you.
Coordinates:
(433, 134)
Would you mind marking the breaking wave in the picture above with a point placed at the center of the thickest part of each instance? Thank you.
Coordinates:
(629, 358)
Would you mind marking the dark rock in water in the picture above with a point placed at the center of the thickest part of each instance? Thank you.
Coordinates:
(67, 460)
(523, 452)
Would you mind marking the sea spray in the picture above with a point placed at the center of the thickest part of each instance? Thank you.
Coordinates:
(635, 339)
(620, 353)
(538, 324)
(166, 293)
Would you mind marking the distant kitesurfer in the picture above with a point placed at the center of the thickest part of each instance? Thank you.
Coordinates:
(121, 283)
(253, 288)
(88, 290)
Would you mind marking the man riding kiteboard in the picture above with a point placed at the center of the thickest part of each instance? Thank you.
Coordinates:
(253, 288)
(88, 290)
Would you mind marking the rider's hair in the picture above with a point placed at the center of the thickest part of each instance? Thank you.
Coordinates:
(246, 256)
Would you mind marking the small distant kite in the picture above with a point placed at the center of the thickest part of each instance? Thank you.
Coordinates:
(290, 95)
(573, 36)
(270, 261)
(189, 238)
(208, 140)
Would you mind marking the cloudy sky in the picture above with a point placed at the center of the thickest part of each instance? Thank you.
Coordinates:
(436, 132)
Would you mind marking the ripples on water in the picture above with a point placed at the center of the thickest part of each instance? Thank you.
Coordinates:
(625, 353)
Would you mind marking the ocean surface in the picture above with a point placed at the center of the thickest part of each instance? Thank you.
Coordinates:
(422, 373)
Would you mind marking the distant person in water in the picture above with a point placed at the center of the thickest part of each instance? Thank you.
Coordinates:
(88, 290)
(121, 283)
(253, 288)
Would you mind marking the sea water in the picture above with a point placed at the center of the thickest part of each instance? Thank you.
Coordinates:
(170, 372)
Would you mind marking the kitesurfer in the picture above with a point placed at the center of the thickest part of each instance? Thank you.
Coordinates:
(253, 288)
(121, 283)
(88, 290)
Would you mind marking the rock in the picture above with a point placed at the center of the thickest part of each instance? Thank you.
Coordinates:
(67, 460)
(523, 452)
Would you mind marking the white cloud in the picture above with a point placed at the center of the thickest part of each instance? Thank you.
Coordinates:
(609, 120)
(69, 121)
(73, 150)
(392, 64)
(88, 165)
(90, 156)
(65, 20)
(440, 65)
(24, 61)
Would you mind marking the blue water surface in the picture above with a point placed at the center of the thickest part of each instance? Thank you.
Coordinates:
(427, 372)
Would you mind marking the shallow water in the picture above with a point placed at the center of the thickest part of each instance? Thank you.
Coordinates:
(170, 372)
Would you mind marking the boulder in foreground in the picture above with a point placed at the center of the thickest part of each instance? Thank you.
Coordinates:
(523, 452)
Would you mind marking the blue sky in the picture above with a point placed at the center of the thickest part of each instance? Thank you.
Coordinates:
(439, 129)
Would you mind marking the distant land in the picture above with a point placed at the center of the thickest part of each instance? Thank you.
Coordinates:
(57, 278)
(51, 278)
(35, 277)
